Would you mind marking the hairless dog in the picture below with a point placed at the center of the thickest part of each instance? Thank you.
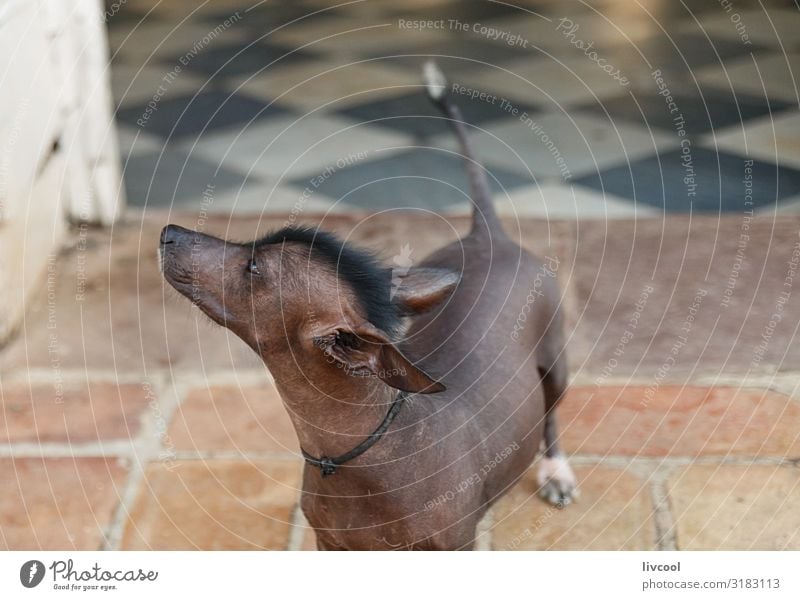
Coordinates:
(417, 398)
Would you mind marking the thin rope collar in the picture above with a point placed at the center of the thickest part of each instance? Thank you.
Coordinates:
(327, 464)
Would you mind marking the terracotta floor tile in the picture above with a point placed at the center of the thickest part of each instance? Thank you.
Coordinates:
(247, 419)
(614, 513)
(58, 503)
(309, 540)
(679, 421)
(214, 505)
(725, 277)
(73, 413)
(736, 507)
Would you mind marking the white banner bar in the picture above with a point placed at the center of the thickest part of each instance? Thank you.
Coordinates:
(330, 575)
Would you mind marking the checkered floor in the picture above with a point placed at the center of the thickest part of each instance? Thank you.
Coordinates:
(619, 109)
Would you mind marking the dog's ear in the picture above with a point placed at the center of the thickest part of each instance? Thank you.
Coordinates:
(420, 289)
(365, 351)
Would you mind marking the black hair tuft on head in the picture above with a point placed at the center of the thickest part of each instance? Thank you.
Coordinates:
(361, 269)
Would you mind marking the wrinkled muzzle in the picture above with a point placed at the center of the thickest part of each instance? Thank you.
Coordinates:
(194, 264)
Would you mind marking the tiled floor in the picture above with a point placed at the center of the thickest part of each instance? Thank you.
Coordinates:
(270, 94)
(130, 422)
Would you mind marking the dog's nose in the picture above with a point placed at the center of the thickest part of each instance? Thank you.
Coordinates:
(167, 234)
(172, 234)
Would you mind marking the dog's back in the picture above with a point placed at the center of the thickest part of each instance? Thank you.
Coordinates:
(495, 339)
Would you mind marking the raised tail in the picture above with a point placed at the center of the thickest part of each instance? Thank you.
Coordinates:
(484, 217)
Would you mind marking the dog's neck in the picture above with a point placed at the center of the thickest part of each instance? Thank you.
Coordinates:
(332, 422)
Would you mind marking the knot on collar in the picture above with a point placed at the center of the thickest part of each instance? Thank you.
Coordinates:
(327, 466)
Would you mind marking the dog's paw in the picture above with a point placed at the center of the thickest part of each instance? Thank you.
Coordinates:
(556, 481)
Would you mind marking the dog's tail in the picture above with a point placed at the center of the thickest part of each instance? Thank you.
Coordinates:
(484, 217)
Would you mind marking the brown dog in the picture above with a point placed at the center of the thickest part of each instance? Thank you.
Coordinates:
(418, 398)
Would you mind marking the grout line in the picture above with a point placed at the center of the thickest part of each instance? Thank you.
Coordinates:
(148, 444)
(111, 449)
(656, 461)
(122, 448)
(297, 529)
(784, 382)
(35, 376)
(112, 538)
(227, 376)
(148, 447)
(234, 455)
(666, 533)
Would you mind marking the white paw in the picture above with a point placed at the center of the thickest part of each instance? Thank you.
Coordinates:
(556, 481)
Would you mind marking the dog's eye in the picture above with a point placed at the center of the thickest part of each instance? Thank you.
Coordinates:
(348, 339)
(252, 267)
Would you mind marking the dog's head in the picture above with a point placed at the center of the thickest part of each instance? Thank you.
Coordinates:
(304, 300)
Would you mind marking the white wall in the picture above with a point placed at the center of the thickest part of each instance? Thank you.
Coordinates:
(58, 151)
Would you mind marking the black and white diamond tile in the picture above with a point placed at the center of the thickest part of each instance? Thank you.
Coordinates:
(713, 182)
(293, 146)
(773, 27)
(695, 111)
(268, 196)
(136, 142)
(174, 179)
(463, 11)
(376, 9)
(117, 18)
(546, 82)
(773, 139)
(560, 145)
(134, 85)
(456, 54)
(327, 86)
(170, 42)
(264, 17)
(677, 57)
(660, 11)
(238, 58)
(766, 74)
(191, 115)
(352, 38)
(418, 178)
(551, 200)
(267, 103)
(560, 33)
(413, 113)
(787, 206)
